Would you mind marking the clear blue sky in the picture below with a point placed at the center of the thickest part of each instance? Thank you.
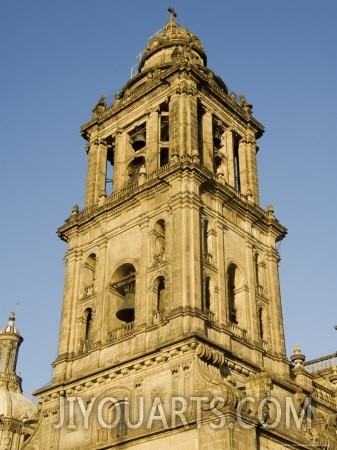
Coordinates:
(58, 57)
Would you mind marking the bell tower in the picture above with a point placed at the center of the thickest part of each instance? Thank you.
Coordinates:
(171, 287)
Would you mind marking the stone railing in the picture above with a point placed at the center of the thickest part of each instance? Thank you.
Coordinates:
(320, 364)
(324, 396)
(210, 316)
(237, 331)
(159, 317)
(121, 332)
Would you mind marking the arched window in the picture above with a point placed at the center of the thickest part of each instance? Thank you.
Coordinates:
(208, 238)
(89, 274)
(113, 416)
(232, 311)
(164, 135)
(88, 323)
(85, 341)
(236, 297)
(259, 269)
(110, 161)
(159, 240)
(161, 294)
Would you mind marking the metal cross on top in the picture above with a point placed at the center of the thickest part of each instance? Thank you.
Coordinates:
(172, 12)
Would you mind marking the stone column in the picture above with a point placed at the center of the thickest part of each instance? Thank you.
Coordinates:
(243, 167)
(184, 131)
(97, 159)
(192, 123)
(152, 154)
(252, 178)
(277, 336)
(207, 140)
(174, 127)
(119, 167)
(67, 340)
(229, 143)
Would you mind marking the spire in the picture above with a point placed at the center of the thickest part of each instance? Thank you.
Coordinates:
(10, 341)
(15, 408)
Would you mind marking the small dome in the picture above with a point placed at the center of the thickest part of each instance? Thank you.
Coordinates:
(173, 44)
(15, 405)
(10, 327)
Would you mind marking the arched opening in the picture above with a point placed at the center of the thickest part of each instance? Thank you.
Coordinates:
(159, 240)
(110, 162)
(88, 323)
(113, 416)
(161, 293)
(208, 236)
(164, 135)
(236, 298)
(138, 137)
(232, 311)
(259, 272)
(85, 337)
(89, 271)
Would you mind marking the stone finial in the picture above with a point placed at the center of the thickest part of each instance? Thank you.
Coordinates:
(270, 212)
(75, 210)
(232, 97)
(102, 198)
(297, 358)
(100, 107)
(249, 194)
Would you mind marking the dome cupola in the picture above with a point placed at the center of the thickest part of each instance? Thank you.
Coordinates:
(173, 45)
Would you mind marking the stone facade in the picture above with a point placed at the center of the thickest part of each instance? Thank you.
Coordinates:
(172, 331)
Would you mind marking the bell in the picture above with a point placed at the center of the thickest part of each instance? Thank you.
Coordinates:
(127, 312)
(139, 141)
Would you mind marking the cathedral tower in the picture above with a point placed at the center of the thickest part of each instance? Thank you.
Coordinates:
(171, 295)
